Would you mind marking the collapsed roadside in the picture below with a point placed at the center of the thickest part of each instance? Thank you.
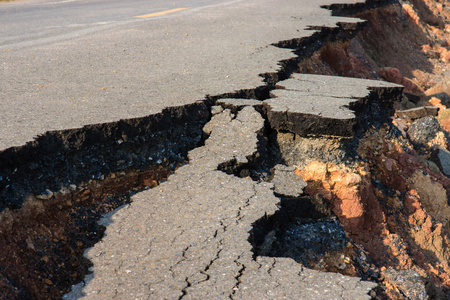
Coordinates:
(342, 171)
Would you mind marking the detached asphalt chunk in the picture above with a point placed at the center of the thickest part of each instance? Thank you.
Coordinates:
(319, 105)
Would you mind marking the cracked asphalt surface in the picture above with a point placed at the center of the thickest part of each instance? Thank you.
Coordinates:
(318, 104)
(188, 238)
(138, 68)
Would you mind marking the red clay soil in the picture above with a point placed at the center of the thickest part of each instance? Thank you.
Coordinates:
(394, 203)
(403, 43)
(402, 219)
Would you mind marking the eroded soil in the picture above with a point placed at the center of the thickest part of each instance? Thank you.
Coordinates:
(43, 243)
(392, 199)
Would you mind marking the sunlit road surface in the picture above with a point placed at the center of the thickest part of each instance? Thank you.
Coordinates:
(28, 23)
(68, 64)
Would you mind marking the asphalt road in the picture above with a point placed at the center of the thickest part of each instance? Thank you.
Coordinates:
(95, 62)
(109, 65)
(30, 23)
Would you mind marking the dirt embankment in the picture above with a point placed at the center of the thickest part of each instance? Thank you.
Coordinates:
(395, 200)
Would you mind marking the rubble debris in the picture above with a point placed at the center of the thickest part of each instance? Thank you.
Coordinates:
(408, 283)
(319, 245)
(393, 205)
(441, 157)
(424, 130)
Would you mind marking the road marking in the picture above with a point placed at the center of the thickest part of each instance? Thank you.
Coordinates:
(162, 12)
(59, 2)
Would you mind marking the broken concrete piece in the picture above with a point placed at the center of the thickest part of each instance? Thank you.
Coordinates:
(441, 157)
(418, 112)
(319, 105)
(216, 110)
(46, 195)
(432, 194)
(286, 182)
(332, 86)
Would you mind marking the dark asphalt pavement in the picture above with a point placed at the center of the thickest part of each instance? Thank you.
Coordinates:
(27, 23)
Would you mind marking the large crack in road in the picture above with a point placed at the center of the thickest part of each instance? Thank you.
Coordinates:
(229, 224)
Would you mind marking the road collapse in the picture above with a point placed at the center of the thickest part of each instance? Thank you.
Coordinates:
(362, 192)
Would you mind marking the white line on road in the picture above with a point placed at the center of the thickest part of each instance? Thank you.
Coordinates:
(58, 2)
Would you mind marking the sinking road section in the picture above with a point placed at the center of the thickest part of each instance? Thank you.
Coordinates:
(188, 238)
(321, 105)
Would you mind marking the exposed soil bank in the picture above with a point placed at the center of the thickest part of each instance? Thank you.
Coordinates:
(393, 199)
(43, 243)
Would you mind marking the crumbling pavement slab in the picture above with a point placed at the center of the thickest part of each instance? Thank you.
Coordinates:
(188, 238)
(318, 104)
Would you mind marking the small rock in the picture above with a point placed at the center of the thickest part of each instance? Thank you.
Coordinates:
(441, 157)
(64, 191)
(409, 282)
(423, 130)
(401, 126)
(72, 187)
(30, 243)
(45, 196)
(430, 53)
(444, 97)
(150, 182)
(48, 281)
(444, 119)
(430, 164)
(435, 102)
(394, 75)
